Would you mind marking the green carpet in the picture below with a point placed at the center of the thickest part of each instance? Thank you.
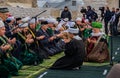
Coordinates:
(84, 72)
(115, 48)
(88, 70)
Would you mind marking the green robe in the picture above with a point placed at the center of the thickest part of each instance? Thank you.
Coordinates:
(9, 64)
(87, 33)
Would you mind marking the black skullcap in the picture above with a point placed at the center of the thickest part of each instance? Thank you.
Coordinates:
(44, 22)
(58, 19)
(17, 19)
(4, 10)
(65, 7)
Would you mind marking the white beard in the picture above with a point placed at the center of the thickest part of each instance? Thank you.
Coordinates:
(97, 34)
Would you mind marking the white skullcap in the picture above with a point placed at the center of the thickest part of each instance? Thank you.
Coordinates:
(73, 30)
(1, 24)
(32, 21)
(23, 25)
(26, 19)
(70, 24)
(52, 20)
(41, 19)
(78, 19)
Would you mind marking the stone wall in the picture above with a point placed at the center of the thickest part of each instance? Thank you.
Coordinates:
(113, 3)
(56, 12)
(32, 2)
(21, 1)
(99, 3)
(95, 3)
(3, 3)
(24, 12)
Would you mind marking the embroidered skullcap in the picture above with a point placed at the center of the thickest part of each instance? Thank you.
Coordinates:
(32, 21)
(4, 10)
(52, 20)
(44, 22)
(96, 25)
(73, 30)
(22, 25)
(42, 19)
(26, 19)
(70, 24)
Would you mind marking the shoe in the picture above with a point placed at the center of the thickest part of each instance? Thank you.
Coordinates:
(76, 68)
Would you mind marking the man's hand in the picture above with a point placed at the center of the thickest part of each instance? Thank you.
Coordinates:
(29, 36)
(29, 41)
(5, 47)
(52, 38)
(12, 41)
(40, 37)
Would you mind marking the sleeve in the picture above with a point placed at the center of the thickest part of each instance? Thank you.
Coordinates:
(62, 14)
(70, 16)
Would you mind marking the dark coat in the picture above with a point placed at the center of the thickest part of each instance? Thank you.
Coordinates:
(89, 14)
(9, 64)
(66, 14)
(45, 41)
(50, 46)
(116, 18)
(107, 16)
(74, 55)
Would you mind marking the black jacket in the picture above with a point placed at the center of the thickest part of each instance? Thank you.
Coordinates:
(66, 14)
(74, 55)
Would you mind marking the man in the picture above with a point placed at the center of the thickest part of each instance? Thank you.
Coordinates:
(89, 13)
(66, 13)
(4, 13)
(107, 17)
(97, 48)
(74, 51)
(74, 33)
(4, 72)
(47, 38)
(28, 56)
(8, 63)
(116, 21)
(52, 32)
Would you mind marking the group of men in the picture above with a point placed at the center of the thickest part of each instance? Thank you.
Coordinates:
(23, 41)
(27, 41)
(110, 17)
